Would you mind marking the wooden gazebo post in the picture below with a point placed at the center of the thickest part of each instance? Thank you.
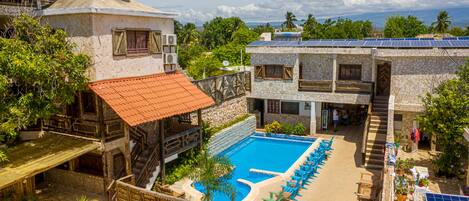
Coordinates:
(161, 144)
(199, 123)
(128, 165)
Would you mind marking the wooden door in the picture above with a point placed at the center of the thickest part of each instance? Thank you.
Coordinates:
(383, 81)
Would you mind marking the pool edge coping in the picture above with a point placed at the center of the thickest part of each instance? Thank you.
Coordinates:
(194, 195)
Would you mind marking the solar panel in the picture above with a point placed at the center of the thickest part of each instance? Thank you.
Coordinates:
(445, 197)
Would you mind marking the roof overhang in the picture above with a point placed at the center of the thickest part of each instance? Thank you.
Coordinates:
(143, 99)
(109, 11)
(37, 156)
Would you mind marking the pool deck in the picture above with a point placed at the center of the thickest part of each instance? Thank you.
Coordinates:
(337, 179)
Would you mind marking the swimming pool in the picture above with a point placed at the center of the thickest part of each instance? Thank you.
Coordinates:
(275, 154)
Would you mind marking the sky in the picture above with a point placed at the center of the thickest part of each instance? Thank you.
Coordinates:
(199, 11)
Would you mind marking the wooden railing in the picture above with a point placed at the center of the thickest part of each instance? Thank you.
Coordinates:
(128, 192)
(365, 133)
(360, 87)
(27, 3)
(149, 167)
(315, 85)
(181, 142)
(86, 128)
(225, 87)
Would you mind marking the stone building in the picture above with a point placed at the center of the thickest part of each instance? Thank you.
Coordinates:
(377, 83)
(133, 118)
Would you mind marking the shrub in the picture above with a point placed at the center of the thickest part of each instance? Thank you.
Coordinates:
(299, 129)
(287, 128)
(274, 127)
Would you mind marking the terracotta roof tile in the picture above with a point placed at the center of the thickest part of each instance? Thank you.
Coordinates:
(148, 98)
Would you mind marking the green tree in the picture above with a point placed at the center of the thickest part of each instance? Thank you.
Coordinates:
(340, 29)
(206, 64)
(218, 31)
(213, 173)
(39, 71)
(290, 19)
(446, 115)
(404, 27)
(311, 28)
(189, 35)
(244, 36)
(263, 29)
(177, 28)
(443, 21)
(457, 31)
(187, 53)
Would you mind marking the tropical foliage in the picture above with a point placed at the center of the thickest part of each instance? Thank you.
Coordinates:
(340, 29)
(443, 21)
(289, 23)
(204, 66)
(446, 116)
(263, 29)
(39, 72)
(285, 128)
(404, 27)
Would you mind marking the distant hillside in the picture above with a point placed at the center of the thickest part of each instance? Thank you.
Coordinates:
(459, 17)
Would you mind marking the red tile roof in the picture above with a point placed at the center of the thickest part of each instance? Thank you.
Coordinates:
(148, 98)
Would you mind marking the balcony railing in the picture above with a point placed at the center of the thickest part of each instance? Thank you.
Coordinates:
(359, 87)
(342, 86)
(86, 128)
(316, 85)
(178, 142)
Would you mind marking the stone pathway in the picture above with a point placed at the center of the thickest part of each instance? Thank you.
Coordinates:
(337, 179)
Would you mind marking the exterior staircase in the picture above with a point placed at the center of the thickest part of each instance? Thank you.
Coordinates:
(144, 157)
(377, 130)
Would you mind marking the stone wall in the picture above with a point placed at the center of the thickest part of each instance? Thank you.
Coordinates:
(81, 181)
(413, 77)
(221, 114)
(231, 135)
(288, 118)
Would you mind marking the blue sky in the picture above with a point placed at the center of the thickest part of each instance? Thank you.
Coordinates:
(199, 11)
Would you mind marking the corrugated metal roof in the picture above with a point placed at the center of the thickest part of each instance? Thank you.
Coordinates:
(149, 98)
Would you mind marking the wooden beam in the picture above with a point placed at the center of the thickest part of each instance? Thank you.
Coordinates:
(102, 133)
(161, 144)
(128, 165)
(199, 123)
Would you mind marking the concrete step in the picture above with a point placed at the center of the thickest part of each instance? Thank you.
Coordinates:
(375, 125)
(375, 146)
(378, 129)
(376, 156)
(372, 161)
(381, 98)
(374, 151)
(379, 118)
(379, 109)
(374, 167)
(379, 114)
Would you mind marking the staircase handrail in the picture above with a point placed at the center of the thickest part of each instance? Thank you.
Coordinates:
(149, 166)
(365, 133)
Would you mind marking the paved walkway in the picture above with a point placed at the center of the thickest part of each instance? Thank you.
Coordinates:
(337, 179)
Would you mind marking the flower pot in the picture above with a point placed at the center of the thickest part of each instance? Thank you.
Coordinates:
(401, 197)
(400, 172)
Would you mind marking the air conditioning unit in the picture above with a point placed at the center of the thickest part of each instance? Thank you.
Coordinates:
(170, 39)
(171, 58)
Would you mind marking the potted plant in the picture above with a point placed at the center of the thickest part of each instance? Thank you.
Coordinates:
(402, 166)
(401, 188)
(424, 182)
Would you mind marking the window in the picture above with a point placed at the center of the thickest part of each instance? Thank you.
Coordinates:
(290, 108)
(137, 42)
(273, 106)
(350, 72)
(88, 102)
(274, 71)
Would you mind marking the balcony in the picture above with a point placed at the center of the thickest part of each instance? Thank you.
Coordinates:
(341, 86)
(180, 138)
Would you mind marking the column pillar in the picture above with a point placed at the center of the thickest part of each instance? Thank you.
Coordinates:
(128, 163)
(312, 122)
(161, 149)
(334, 72)
(199, 123)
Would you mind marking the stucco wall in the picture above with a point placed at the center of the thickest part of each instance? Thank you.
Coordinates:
(413, 77)
(93, 35)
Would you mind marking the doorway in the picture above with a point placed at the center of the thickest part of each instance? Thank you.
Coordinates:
(383, 81)
(259, 106)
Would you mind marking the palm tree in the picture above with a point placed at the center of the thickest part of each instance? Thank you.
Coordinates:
(442, 22)
(290, 19)
(189, 34)
(213, 173)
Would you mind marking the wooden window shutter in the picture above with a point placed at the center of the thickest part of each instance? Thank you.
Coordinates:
(155, 42)
(260, 72)
(119, 42)
(288, 73)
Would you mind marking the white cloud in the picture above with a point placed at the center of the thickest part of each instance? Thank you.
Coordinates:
(271, 10)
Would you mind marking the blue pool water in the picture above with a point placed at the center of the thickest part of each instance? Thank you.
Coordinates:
(275, 155)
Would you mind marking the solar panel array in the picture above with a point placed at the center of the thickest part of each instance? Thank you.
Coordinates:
(444, 197)
(454, 42)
